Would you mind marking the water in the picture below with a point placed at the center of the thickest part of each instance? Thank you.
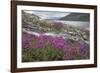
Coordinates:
(80, 24)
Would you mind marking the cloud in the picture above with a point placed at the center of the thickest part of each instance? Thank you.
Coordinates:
(28, 11)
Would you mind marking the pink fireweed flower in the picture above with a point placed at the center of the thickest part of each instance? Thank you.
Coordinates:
(57, 42)
(69, 54)
(25, 40)
(42, 41)
(84, 49)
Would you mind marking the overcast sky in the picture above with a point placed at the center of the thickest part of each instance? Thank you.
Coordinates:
(48, 14)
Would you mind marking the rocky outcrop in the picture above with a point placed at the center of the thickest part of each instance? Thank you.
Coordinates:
(33, 23)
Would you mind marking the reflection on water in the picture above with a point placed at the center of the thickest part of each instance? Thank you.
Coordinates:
(79, 24)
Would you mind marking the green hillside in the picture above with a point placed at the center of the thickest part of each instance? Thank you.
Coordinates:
(77, 17)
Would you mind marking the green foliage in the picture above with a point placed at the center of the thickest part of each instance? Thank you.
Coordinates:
(44, 24)
(43, 54)
(50, 54)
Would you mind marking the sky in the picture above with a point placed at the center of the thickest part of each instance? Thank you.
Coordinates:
(48, 14)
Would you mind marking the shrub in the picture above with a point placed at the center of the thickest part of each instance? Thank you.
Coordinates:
(43, 54)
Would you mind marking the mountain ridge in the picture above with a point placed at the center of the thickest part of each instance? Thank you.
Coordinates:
(76, 17)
